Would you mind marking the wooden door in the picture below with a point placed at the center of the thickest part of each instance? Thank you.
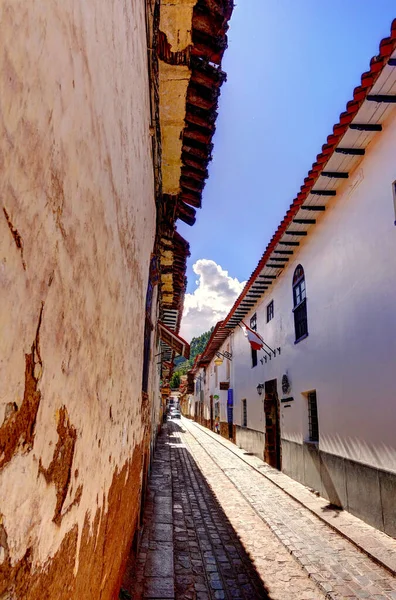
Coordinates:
(272, 450)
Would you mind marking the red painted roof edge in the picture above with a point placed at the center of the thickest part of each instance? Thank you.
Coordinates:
(377, 63)
(194, 368)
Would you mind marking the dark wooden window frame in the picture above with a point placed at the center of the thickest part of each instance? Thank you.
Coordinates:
(253, 327)
(300, 305)
(270, 311)
(394, 197)
(244, 412)
(313, 421)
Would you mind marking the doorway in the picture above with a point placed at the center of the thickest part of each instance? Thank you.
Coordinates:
(211, 413)
(272, 449)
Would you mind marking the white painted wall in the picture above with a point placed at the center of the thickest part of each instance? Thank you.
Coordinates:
(224, 372)
(349, 357)
(199, 383)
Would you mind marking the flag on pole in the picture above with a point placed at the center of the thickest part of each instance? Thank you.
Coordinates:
(255, 340)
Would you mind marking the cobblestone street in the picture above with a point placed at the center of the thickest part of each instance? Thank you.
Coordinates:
(215, 528)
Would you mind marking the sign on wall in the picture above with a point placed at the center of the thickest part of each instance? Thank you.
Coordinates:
(224, 385)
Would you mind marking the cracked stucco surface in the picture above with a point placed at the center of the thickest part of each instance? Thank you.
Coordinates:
(77, 188)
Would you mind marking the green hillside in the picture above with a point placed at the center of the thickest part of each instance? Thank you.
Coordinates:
(196, 347)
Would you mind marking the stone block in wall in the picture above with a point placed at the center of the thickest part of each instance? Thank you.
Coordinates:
(250, 440)
(363, 491)
(387, 482)
(333, 479)
(293, 460)
(312, 475)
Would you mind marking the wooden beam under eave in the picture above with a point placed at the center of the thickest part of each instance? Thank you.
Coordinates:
(207, 80)
(196, 163)
(198, 135)
(382, 98)
(193, 152)
(279, 259)
(193, 185)
(313, 208)
(366, 126)
(350, 151)
(335, 174)
(323, 192)
(305, 221)
(192, 173)
(194, 98)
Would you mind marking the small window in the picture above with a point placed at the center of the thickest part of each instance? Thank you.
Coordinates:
(300, 304)
(254, 357)
(244, 413)
(270, 311)
(313, 422)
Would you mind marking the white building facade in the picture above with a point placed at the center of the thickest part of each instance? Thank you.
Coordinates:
(318, 400)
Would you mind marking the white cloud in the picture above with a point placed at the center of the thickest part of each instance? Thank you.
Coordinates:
(215, 294)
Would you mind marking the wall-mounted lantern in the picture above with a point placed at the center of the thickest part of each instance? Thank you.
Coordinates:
(286, 387)
(220, 356)
(260, 388)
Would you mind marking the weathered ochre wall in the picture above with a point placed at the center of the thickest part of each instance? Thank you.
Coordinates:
(77, 223)
(176, 24)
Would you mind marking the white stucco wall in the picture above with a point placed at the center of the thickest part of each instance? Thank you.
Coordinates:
(349, 356)
(224, 372)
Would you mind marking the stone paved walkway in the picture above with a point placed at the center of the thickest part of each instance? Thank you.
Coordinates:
(337, 566)
(214, 528)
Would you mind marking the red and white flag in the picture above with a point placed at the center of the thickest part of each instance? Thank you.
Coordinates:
(255, 340)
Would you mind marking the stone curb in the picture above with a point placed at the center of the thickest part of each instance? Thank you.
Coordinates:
(375, 544)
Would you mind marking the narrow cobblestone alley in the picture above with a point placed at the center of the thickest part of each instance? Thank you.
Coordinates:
(215, 528)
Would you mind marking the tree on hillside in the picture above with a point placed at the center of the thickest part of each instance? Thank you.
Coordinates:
(175, 381)
(196, 347)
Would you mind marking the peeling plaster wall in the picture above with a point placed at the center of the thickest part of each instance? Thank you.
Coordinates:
(77, 226)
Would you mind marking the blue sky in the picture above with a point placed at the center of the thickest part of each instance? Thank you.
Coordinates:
(291, 68)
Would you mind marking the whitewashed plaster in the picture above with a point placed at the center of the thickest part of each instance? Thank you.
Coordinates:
(349, 356)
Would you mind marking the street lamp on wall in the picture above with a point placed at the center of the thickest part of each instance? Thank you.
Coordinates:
(220, 356)
(260, 388)
(218, 361)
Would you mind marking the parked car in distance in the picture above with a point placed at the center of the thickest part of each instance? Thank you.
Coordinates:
(174, 413)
